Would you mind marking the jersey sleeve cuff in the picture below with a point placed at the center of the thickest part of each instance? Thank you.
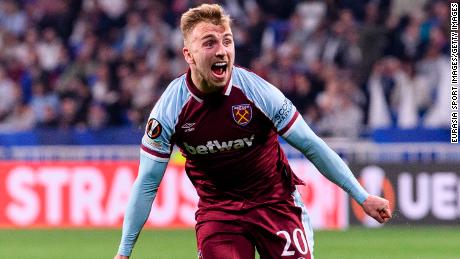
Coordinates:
(154, 155)
(360, 196)
(285, 131)
(124, 252)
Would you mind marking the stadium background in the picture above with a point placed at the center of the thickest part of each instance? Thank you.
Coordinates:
(78, 79)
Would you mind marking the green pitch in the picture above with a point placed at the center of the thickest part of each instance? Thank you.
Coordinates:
(355, 243)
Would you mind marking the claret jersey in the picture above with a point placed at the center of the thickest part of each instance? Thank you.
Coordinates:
(229, 139)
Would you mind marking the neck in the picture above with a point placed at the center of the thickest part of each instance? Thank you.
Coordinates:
(201, 84)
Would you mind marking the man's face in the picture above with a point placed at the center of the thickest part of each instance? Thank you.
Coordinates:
(210, 52)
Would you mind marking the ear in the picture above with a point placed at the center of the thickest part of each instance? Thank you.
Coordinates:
(188, 55)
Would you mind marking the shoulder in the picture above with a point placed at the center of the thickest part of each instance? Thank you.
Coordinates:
(248, 81)
(177, 87)
(269, 99)
(175, 94)
(171, 102)
(251, 83)
(241, 74)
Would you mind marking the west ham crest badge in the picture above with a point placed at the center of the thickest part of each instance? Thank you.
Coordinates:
(242, 114)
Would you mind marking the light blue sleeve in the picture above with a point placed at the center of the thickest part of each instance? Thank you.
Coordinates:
(162, 120)
(140, 202)
(324, 158)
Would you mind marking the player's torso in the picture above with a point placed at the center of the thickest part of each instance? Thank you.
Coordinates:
(230, 141)
(222, 132)
(232, 150)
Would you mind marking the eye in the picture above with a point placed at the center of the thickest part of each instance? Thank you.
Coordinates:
(208, 43)
(227, 42)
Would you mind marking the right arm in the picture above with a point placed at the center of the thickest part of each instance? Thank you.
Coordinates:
(155, 151)
(140, 202)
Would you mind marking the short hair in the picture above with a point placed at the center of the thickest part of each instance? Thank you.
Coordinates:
(212, 13)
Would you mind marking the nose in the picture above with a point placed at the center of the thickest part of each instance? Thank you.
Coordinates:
(221, 50)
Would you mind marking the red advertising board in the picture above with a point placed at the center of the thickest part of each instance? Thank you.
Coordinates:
(95, 194)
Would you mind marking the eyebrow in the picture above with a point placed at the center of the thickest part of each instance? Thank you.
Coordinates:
(212, 36)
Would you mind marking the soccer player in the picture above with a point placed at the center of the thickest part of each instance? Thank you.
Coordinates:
(226, 121)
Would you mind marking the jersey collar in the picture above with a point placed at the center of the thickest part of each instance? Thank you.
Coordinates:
(200, 96)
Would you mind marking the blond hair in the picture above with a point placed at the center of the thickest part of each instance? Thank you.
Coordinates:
(212, 13)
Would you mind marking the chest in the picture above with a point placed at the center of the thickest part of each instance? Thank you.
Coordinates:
(222, 124)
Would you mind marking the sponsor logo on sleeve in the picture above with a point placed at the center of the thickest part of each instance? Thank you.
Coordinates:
(153, 129)
(154, 144)
(242, 114)
(283, 113)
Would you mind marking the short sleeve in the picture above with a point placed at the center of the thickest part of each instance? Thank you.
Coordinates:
(156, 142)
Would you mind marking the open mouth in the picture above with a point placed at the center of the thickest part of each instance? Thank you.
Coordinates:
(219, 68)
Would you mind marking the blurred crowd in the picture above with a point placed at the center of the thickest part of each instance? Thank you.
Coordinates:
(349, 66)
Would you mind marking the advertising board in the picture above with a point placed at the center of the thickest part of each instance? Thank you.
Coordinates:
(419, 193)
(95, 194)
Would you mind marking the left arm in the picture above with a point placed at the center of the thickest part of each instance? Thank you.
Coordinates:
(333, 168)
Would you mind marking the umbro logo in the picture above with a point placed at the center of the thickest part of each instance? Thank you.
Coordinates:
(188, 126)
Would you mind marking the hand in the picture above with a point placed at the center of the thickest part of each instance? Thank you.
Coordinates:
(121, 257)
(378, 208)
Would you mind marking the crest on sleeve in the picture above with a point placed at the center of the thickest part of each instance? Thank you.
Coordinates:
(153, 129)
(242, 114)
